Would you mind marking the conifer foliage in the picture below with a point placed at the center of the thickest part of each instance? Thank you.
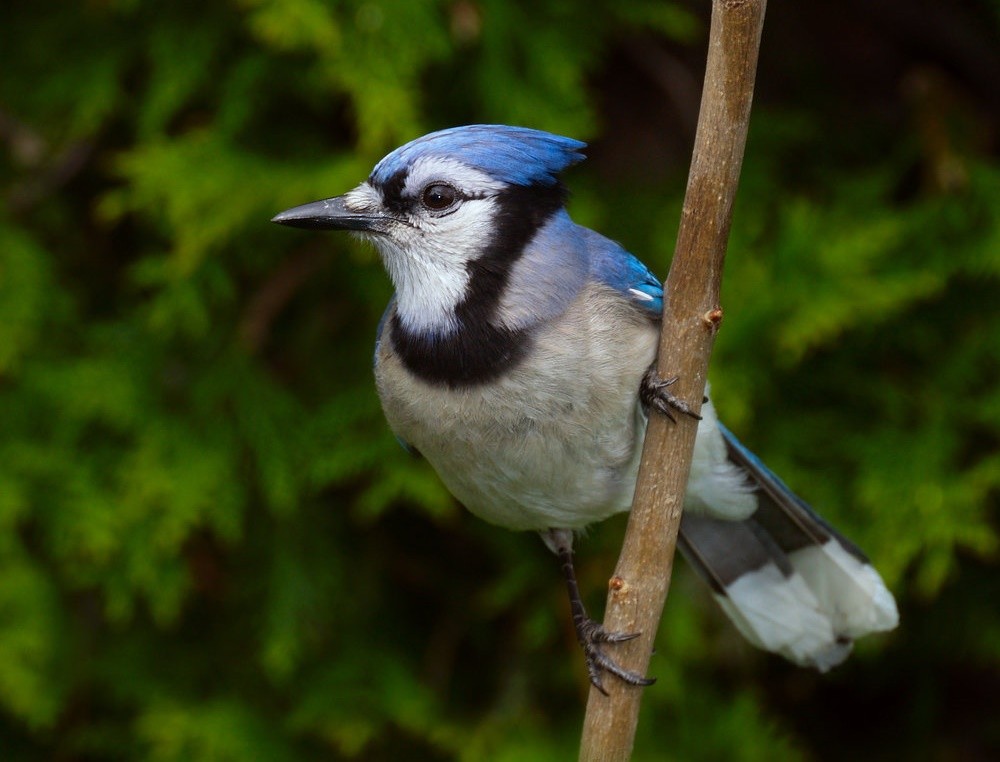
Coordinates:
(211, 547)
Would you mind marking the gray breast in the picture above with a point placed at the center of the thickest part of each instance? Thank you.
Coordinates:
(552, 442)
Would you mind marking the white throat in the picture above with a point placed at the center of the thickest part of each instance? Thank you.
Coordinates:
(428, 287)
(427, 254)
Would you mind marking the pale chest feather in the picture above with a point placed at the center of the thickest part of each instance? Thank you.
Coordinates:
(552, 443)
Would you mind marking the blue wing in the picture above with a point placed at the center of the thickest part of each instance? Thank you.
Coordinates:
(789, 581)
(378, 343)
(381, 327)
(790, 518)
(622, 271)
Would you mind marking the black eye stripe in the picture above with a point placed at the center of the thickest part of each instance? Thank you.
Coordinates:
(396, 199)
(429, 196)
(392, 190)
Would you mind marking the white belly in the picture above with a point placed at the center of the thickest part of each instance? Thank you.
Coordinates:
(556, 441)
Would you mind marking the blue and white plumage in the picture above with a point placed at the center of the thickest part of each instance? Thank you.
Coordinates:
(512, 357)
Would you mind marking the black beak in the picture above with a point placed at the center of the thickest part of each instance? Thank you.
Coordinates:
(329, 214)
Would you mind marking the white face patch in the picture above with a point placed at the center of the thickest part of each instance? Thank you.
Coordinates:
(363, 199)
(427, 252)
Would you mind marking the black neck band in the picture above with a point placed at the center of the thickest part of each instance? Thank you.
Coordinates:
(481, 350)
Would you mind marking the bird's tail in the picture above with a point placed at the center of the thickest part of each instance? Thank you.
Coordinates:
(790, 583)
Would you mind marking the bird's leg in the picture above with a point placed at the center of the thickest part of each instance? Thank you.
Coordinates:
(654, 394)
(590, 633)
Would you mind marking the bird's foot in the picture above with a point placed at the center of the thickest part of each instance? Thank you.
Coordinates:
(654, 393)
(592, 637)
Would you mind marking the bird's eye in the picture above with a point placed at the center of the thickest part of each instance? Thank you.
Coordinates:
(438, 196)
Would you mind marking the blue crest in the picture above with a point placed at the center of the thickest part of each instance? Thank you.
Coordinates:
(515, 155)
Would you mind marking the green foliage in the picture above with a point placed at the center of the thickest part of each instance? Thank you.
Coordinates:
(211, 548)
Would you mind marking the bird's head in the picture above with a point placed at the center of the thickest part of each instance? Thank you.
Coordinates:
(450, 212)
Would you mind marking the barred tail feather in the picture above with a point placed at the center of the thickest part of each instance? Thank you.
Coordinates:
(789, 581)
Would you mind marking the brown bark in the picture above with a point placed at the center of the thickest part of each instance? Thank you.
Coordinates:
(691, 317)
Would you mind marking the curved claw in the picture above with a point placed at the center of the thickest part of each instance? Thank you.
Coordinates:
(616, 637)
(591, 635)
(653, 393)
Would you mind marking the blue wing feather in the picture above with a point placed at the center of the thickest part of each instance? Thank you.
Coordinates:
(381, 326)
(794, 508)
(622, 271)
(378, 343)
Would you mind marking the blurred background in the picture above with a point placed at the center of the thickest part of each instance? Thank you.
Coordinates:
(212, 548)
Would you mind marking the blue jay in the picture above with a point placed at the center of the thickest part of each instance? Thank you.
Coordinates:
(516, 356)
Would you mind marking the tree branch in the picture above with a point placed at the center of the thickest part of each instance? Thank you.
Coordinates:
(691, 317)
